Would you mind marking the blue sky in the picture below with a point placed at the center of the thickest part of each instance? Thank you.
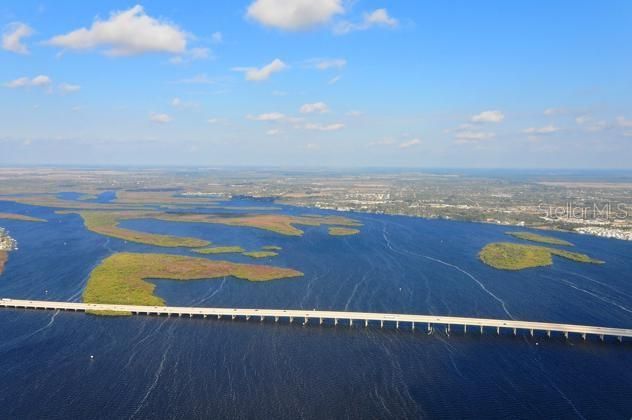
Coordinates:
(534, 84)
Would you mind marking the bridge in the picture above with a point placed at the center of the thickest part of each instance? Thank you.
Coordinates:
(427, 322)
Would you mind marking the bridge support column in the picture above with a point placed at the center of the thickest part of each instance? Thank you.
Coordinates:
(219, 316)
(247, 317)
(190, 315)
(381, 323)
(481, 330)
(429, 327)
(515, 331)
(397, 324)
(620, 338)
(497, 330)
(531, 333)
(548, 333)
(233, 317)
(566, 335)
(584, 336)
(305, 321)
(321, 321)
(413, 326)
(335, 321)
(350, 322)
(464, 328)
(601, 337)
(204, 316)
(276, 319)
(262, 318)
(291, 319)
(366, 323)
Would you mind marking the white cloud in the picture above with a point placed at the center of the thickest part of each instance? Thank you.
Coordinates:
(334, 80)
(589, 124)
(488, 117)
(69, 88)
(550, 112)
(469, 136)
(316, 107)
(549, 129)
(128, 32)
(325, 127)
(12, 37)
(409, 143)
(268, 116)
(326, 63)
(354, 113)
(378, 17)
(159, 118)
(179, 103)
(623, 122)
(217, 38)
(197, 53)
(294, 15)
(23, 82)
(273, 132)
(212, 120)
(263, 73)
(312, 146)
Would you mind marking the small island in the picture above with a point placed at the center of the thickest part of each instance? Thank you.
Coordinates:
(534, 237)
(260, 254)
(342, 231)
(22, 217)
(220, 250)
(4, 256)
(122, 278)
(271, 248)
(511, 256)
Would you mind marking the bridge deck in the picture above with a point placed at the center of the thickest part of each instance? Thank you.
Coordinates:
(336, 316)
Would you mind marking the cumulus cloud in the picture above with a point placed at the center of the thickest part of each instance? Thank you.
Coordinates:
(548, 129)
(409, 143)
(258, 74)
(268, 116)
(334, 80)
(217, 38)
(470, 136)
(159, 118)
(488, 117)
(376, 18)
(69, 88)
(24, 82)
(197, 53)
(12, 37)
(623, 122)
(316, 107)
(128, 32)
(325, 127)
(294, 15)
(326, 63)
(590, 124)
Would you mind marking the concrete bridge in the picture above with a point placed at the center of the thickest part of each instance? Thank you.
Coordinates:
(426, 322)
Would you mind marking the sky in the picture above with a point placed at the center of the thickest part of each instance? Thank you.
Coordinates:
(317, 83)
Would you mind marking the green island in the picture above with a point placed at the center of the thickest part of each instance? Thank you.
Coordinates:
(278, 223)
(271, 248)
(122, 278)
(510, 256)
(14, 216)
(534, 237)
(260, 254)
(106, 223)
(220, 250)
(341, 231)
(4, 256)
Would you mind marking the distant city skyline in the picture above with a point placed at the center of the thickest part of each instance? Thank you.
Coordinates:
(317, 83)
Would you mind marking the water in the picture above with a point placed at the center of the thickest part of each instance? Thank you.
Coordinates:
(150, 367)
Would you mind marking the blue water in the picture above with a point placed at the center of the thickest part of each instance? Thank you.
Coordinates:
(148, 367)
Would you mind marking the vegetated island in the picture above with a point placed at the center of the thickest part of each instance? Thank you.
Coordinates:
(510, 256)
(122, 278)
(106, 223)
(341, 231)
(4, 256)
(271, 248)
(220, 250)
(534, 237)
(260, 254)
(22, 217)
(278, 223)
